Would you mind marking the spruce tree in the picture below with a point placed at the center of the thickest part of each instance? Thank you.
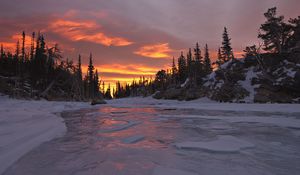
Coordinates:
(17, 52)
(174, 71)
(219, 60)
(275, 32)
(226, 48)
(79, 78)
(79, 69)
(108, 93)
(198, 65)
(189, 62)
(103, 88)
(32, 46)
(96, 83)
(207, 62)
(16, 59)
(2, 53)
(294, 40)
(182, 68)
(91, 77)
(23, 47)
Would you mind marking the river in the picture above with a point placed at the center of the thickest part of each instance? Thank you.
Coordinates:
(144, 141)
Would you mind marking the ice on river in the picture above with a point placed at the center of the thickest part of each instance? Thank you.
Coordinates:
(169, 171)
(149, 137)
(133, 139)
(223, 144)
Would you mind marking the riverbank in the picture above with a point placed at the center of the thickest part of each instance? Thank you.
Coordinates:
(26, 124)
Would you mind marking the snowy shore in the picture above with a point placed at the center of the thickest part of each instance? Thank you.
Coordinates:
(26, 124)
(206, 104)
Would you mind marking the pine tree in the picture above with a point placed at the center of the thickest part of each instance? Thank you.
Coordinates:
(96, 83)
(108, 93)
(219, 60)
(37, 48)
(189, 63)
(23, 47)
(275, 32)
(207, 62)
(198, 65)
(16, 58)
(226, 48)
(198, 57)
(294, 40)
(91, 77)
(79, 78)
(103, 88)
(17, 53)
(79, 69)
(2, 54)
(174, 71)
(32, 46)
(182, 68)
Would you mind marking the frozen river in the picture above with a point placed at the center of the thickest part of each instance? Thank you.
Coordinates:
(149, 140)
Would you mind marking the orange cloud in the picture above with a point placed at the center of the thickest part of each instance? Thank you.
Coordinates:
(85, 31)
(11, 43)
(161, 50)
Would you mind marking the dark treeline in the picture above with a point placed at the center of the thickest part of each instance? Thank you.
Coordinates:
(192, 68)
(40, 71)
(281, 41)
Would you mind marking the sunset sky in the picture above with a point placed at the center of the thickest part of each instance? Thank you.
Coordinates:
(129, 38)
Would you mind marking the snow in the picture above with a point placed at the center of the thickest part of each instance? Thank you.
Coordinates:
(246, 84)
(26, 124)
(224, 144)
(185, 83)
(225, 65)
(290, 72)
(204, 104)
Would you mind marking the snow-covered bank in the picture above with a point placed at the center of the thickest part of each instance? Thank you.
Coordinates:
(205, 104)
(26, 124)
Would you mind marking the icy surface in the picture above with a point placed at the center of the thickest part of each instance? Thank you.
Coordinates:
(120, 127)
(222, 144)
(26, 124)
(133, 139)
(147, 136)
(169, 171)
(289, 122)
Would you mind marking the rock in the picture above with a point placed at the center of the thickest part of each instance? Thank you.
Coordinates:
(192, 94)
(98, 102)
(158, 95)
(262, 95)
(173, 94)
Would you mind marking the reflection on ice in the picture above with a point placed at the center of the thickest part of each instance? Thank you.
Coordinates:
(118, 127)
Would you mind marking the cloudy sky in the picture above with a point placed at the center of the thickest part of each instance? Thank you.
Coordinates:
(129, 38)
